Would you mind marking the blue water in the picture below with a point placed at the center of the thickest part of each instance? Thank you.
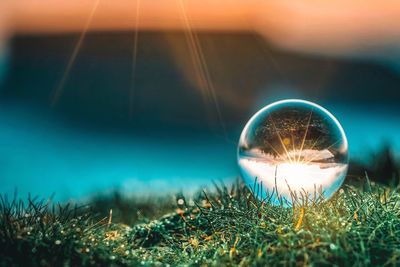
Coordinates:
(368, 128)
(40, 155)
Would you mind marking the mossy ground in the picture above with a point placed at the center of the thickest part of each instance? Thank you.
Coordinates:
(228, 226)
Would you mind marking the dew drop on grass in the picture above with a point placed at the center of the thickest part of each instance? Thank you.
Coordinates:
(293, 149)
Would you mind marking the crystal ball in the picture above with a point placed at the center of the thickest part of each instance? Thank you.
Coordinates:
(293, 151)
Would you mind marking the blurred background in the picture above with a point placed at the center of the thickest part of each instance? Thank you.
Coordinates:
(150, 98)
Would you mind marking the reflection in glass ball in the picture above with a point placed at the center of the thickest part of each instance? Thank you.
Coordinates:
(293, 150)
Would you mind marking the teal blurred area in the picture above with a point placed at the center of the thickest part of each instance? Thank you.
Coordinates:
(171, 136)
(42, 156)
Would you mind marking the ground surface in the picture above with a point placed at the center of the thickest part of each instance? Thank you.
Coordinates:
(228, 226)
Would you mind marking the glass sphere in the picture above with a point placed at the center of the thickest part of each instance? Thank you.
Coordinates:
(293, 151)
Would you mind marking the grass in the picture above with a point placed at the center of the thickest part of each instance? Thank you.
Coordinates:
(229, 226)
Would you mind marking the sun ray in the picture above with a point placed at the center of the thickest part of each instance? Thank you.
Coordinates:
(60, 88)
(134, 60)
(292, 139)
(315, 142)
(305, 136)
(327, 148)
(313, 145)
(201, 69)
(193, 53)
(280, 139)
(210, 85)
(293, 143)
(280, 156)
